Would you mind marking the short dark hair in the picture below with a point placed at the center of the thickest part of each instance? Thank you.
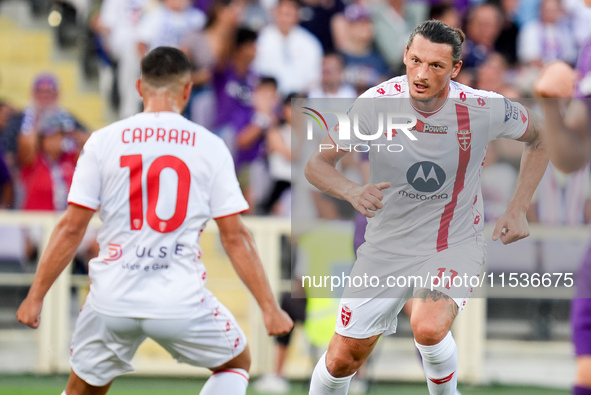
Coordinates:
(268, 80)
(162, 65)
(440, 33)
(245, 35)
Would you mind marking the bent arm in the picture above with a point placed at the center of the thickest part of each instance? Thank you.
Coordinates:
(239, 245)
(322, 173)
(534, 162)
(60, 251)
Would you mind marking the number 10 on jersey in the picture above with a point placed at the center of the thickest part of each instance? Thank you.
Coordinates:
(136, 200)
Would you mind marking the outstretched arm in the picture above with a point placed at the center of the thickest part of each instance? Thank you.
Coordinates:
(512, 225)
(239, 246)
(60, 251)
(567, 135)
(322, 173)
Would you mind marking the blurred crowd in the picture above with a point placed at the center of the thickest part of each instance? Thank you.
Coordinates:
(251, 57)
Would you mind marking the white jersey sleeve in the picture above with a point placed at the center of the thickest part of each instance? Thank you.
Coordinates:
(226, 196)
(509, 119)
(86, 184)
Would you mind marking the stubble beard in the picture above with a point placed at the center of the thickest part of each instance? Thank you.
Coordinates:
(428, 99)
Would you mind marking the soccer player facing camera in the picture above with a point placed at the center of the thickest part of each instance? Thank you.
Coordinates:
(157, 178)
(424, 206)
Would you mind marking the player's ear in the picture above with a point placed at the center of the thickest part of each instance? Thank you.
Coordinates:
(138, 86)
(187, 90)
(405, 53)
(456, 69)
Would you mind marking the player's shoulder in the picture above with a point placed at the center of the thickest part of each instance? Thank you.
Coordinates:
(394, 87)
(464, 94)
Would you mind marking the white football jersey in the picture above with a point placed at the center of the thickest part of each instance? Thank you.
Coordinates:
(157, 178)
(435, 201)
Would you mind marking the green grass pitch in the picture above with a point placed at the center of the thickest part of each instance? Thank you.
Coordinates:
(137, 385)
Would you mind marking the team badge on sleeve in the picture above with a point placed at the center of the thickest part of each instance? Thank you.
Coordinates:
(345, 315)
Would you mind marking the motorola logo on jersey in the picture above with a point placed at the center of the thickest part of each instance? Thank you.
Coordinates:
(425, 176)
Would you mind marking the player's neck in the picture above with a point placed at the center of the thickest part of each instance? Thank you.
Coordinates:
(163, 104)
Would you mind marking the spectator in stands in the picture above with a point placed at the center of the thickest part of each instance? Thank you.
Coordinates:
(46, 168)
(10, 125)
(116, 26)
(483, 26)
(252, 103)
(208, 50)
(279, 149)
(580, 15)
(446, 13)
(332, 84)
(364, 66)
(461, 6)
(506, 43)
(166, 24)
(492, 75)
(234, 87)
(6, 184)
(393, 21)
(288, 52)
(252, 173)
(547, 39)
(255, 16)
(45, 105)
(323, 19)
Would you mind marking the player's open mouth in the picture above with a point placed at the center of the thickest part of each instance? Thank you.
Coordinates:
(420, 87)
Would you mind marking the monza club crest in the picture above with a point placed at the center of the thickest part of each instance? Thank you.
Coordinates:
(345, 315)
(464, 139)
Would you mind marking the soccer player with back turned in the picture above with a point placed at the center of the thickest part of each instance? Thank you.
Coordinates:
(157, 178)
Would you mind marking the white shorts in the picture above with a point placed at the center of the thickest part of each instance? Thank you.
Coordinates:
(373, 307)
(103, 346)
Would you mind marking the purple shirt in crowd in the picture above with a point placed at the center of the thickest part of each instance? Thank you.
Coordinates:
(234, 110)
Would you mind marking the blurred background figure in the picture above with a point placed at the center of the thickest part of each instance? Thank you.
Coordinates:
(166, 24)
(493, 75)
(323, 18)
(447, 14)
(43, 110)
(364, 66)
(393, 21)
(506, 43)
(47, 168)
(116, 28)
(234, 84)
(279, 152)
(332, 84)
(483, 26)
(210, 49)
(288, 52)
(548, 38)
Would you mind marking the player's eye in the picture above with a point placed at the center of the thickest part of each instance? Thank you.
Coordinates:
(415, 60)
(437, 66)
